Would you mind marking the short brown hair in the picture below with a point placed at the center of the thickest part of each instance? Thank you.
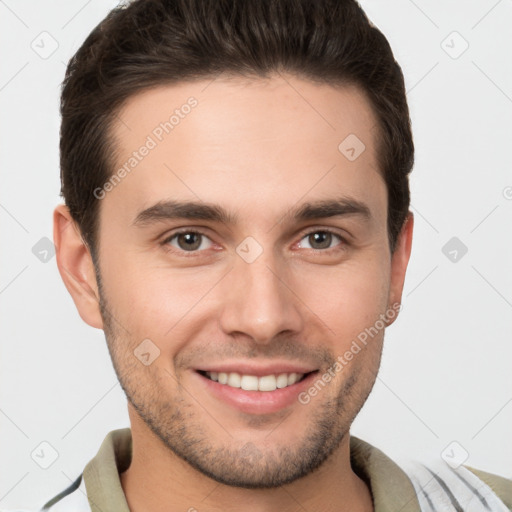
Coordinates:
(149, 43)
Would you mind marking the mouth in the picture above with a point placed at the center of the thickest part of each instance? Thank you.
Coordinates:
(265, 383)
(256, 388)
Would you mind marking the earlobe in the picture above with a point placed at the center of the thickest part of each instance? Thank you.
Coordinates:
(399, 262)
(76, 267)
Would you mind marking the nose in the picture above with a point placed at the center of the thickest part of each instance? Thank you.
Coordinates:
(259, 300)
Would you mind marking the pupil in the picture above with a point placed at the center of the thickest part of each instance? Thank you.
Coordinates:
(189, 237)
(323, 238)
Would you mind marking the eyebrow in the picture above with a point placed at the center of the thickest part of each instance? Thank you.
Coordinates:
(194, 210)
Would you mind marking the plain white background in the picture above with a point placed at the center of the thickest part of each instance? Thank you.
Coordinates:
(446, 370)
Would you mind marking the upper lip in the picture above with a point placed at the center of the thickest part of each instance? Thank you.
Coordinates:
(258, 370)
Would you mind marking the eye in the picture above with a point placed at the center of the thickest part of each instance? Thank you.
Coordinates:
(322, 239)
(194, 241)
(188, 241)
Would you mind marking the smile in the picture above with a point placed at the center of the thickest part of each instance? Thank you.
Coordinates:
(254, 383)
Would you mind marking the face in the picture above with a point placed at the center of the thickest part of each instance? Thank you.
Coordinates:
(264, 282)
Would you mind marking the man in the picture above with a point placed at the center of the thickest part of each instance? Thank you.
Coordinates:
(237, 221)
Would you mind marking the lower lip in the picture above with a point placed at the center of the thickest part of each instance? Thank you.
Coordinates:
(257, 402)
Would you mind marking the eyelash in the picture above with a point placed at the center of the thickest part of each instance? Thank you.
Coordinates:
(188, 254)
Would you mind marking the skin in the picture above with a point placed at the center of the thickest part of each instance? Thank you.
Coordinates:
(257, 148)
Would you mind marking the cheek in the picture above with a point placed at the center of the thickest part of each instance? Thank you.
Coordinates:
(156, 302)
(347, 298)
(167, 304)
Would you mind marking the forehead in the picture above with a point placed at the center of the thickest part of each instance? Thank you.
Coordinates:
(230, 109)
(230, 139)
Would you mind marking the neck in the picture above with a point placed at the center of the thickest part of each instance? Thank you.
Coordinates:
(157, 479)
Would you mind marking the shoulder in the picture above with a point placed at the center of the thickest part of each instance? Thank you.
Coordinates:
(74, 497)
(500, 485)
(101, 474)
(440, 486)
(428, 483)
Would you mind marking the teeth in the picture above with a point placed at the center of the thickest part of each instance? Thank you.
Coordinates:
(292, 379)
(267, 383)
(249, 383)
(253, 383)
(234, 380)
(282, 380)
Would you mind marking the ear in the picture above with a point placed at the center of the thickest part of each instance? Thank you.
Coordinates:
(76, 267)
(399, 261)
